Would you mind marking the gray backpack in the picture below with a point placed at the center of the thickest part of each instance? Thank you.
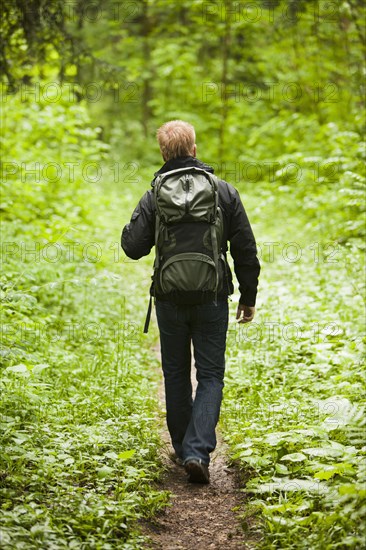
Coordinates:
(188, 267)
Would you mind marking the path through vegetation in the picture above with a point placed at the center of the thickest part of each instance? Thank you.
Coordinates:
(199, 516)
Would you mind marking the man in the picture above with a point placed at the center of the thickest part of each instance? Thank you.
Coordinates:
(191, 423)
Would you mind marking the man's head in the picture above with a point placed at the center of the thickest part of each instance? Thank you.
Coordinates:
(176, 139)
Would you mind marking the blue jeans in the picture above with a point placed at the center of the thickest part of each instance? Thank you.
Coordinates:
(191, 423)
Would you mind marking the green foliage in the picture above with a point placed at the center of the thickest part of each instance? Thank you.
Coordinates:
(321, 168)
(50, 153)
(234, 69)
(293, 410)
(275, 92)
(78, 420)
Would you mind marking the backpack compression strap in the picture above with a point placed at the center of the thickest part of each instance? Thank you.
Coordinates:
(156, 266)
(148, 316)
(215, 256)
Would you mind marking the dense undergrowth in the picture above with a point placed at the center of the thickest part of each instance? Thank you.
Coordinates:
(79, 429)
(294, 399)
(78, 391)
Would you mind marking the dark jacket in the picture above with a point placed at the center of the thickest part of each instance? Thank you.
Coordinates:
(138, 235)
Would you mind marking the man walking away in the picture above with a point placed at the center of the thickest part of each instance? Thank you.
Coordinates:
(190, 216)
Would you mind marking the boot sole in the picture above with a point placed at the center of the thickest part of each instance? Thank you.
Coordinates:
(196, 473)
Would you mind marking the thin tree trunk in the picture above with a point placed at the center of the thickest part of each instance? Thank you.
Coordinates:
(224, 80)
(146, 86)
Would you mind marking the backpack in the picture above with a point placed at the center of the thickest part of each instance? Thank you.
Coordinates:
(188, 237)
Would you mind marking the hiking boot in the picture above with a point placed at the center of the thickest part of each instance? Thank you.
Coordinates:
(197, 471)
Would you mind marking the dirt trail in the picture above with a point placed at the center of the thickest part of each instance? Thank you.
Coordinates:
(200, 516)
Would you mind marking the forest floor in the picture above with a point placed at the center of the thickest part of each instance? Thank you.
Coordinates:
(199, 516)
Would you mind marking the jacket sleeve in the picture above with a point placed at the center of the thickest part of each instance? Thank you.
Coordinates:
(137, 237)
(243, 250)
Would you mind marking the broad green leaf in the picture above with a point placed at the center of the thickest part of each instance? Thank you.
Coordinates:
(111, 454)
(294, 457)
(21, 370)
(282, 469)
(325, 475)
(125, 455)
(105, 471)
(322, 451)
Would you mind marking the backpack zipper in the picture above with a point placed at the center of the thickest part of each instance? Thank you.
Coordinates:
(186, 185)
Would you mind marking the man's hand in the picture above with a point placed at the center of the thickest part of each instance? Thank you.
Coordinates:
(244, 313)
